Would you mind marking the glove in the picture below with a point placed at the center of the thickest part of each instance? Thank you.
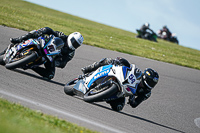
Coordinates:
(59, 34)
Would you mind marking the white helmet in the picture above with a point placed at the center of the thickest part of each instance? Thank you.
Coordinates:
(74, 40)
(147, 25)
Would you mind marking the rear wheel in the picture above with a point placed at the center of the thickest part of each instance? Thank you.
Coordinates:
(97, 95)
(21, 61)
(68, 89)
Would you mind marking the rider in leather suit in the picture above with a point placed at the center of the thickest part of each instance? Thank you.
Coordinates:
(144, 29)
(148, 80)
(71, 42)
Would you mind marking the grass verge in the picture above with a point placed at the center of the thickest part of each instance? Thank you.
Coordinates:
(18, 119)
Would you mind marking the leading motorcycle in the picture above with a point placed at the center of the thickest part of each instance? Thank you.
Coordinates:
(32, 52)
(149, 35)
(107, 83)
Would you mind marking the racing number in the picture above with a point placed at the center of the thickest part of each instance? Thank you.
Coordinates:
(51, 48)
(131, 77)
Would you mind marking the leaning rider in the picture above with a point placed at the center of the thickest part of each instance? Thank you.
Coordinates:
(71, 43)
(148, 81)
(144, 29)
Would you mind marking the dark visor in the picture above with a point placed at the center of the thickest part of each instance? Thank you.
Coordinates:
(75, 44)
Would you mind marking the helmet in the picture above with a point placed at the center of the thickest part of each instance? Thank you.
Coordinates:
(150, 78)
(147, 25)
(74, 40)
(165, 27)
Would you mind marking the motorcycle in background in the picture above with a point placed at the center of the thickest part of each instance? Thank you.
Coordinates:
(163, 35)
(149, 35)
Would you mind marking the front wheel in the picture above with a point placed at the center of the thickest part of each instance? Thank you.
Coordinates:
(68, 89)
(1, 60)
(19, 62)
(97, 95)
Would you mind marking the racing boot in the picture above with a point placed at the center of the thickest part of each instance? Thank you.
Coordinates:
(15, 40)
(96, 65)
(90, 68)
(21, 38)
(31, 34)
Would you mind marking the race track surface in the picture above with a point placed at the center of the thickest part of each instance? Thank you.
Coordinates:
(173, 107)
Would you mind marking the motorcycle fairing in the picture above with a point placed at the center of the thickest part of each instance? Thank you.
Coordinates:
(49, 49)
(131, 80)
(11, 52)
(103, 71)
(125, 77)
(80, 86)
(26, 43)
(125, 70)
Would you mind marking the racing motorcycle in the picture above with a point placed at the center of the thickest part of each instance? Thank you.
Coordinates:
(106, 84)
(149, 35)
(32, 52)
(163, 35)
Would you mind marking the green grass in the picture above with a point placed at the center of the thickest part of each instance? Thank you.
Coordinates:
(27, 16)
(15, 118)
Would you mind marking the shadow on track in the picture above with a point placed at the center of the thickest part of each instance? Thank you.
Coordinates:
(38, 77)
(133, 116)
(140, 118)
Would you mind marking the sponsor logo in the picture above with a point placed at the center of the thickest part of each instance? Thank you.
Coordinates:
(101, 74)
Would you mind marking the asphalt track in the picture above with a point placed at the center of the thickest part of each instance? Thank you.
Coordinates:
(173, 107)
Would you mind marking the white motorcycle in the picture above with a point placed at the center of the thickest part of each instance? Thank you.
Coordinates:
(107, 83)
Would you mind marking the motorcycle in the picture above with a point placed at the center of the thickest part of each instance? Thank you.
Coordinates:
(174, 38)
(32, 52)
(106, 84)
(149, 35)
(163, 35)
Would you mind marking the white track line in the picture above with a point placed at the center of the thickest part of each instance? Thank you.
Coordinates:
(62, 112)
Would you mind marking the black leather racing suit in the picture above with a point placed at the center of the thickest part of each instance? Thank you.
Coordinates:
(141, 95)
(143, 31)
(60, 61)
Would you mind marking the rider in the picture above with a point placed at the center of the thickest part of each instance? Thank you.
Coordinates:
(148, 80)
(71, 43)
(167, 32)
(144, 29)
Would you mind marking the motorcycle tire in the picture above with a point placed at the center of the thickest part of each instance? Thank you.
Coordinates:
(22, 61)
(1, 60)
(92, 96)
(68, 89)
